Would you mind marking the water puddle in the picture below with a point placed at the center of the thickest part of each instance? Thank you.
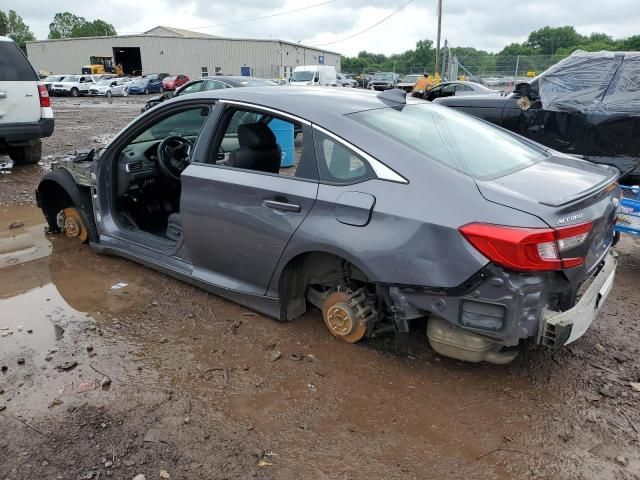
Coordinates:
(60, 320)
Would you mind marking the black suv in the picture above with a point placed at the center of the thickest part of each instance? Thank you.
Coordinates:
(384, 81)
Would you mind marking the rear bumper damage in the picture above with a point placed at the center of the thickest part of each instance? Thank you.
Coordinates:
(561, 328)
(497, 309)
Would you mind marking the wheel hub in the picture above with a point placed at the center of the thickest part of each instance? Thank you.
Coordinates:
(73, 226)
(342, 316)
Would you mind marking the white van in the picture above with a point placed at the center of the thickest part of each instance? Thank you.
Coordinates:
(314, 75)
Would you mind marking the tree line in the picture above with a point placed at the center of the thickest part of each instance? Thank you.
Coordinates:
(64, 25)
(556, 41)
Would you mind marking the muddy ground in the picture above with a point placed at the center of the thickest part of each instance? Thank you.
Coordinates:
(203, 388)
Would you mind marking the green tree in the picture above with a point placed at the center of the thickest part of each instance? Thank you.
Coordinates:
(600, 37)
(97, 28)
(12, 26)
(64, 24)
(68, 25)
(631, 43)
(549, 39)
(4, 24)
(517, 49)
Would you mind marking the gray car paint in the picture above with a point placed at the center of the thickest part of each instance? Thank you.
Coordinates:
(237, 247)
(234, 239)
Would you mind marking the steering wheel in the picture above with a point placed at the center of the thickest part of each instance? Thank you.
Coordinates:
(173, 156)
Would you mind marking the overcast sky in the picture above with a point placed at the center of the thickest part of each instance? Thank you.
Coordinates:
(484, 24)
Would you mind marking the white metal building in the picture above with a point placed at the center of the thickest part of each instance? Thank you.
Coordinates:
(177, 51)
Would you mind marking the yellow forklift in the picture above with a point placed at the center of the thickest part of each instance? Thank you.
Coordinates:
(102, 65)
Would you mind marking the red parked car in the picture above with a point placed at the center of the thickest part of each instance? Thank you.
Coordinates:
(171, 83)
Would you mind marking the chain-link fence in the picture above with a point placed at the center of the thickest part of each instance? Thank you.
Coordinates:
(500, 72)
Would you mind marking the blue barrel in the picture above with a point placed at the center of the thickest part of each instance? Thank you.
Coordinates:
(284, 137)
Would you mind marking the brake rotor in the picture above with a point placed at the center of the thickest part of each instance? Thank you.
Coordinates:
(73, 224)
(341, 319)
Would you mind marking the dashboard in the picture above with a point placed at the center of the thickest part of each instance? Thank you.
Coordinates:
(137, 162)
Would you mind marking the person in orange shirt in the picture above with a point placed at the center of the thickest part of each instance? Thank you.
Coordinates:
(421, 86)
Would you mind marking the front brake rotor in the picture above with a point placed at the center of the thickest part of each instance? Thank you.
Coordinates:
(342, 319)
(73, 226)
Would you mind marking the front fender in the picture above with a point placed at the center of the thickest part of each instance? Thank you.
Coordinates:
(58, 190)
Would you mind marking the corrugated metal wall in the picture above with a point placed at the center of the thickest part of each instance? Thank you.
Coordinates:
(181, 55)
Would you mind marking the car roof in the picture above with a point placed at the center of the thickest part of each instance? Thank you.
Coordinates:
(316, 104)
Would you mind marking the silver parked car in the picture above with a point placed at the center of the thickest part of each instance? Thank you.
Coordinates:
(458, 88)
(111, 87)
(377, 209)
(343, 81)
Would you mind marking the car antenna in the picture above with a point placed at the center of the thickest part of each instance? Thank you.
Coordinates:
(396, 95)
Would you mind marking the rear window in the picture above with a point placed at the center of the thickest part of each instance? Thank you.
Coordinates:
(455, 139)
(14, 66)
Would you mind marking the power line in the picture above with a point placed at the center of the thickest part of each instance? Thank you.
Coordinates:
(368, 28)
(308, 7)
(255, 19)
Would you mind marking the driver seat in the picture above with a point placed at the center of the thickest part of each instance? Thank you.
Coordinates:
(258, 149)
(174, 227)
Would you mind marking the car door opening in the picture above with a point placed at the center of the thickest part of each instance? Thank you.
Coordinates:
(148, 184)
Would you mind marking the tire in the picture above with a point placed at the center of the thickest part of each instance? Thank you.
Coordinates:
(26, 154)
(108, 94)
(146, 91)
(75, 92)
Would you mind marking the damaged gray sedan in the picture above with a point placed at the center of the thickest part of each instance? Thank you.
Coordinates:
(375, 208)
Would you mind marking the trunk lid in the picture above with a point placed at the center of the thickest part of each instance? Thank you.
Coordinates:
(564, 191)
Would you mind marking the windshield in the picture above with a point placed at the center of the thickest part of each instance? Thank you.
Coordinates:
(53, 78)
(104, 82)
(302, 76)
(139, 82)
(455, 139)
(152, 76)
(169, 79)
(387, 77)
(71, 78)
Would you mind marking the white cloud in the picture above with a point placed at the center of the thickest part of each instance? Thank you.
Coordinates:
(487, 25)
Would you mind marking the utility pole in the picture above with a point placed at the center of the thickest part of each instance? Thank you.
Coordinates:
(438, 38)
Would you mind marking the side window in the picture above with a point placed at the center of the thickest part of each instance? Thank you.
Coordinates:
(263, 142)
(338, 164)
(449, 88)
(193, 88)
(14, 66)
(214, 85)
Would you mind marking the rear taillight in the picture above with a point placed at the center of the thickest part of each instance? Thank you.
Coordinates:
(527, 249)
(45, 101)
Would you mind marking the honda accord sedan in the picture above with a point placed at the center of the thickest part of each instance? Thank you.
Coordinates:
(375, 208)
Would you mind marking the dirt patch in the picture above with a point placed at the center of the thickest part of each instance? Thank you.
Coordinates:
(203, 388)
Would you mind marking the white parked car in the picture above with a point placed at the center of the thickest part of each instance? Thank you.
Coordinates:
(111, 87)
(25, 110)
(74, 85)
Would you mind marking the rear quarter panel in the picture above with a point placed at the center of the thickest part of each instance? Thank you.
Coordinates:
(412, 237)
